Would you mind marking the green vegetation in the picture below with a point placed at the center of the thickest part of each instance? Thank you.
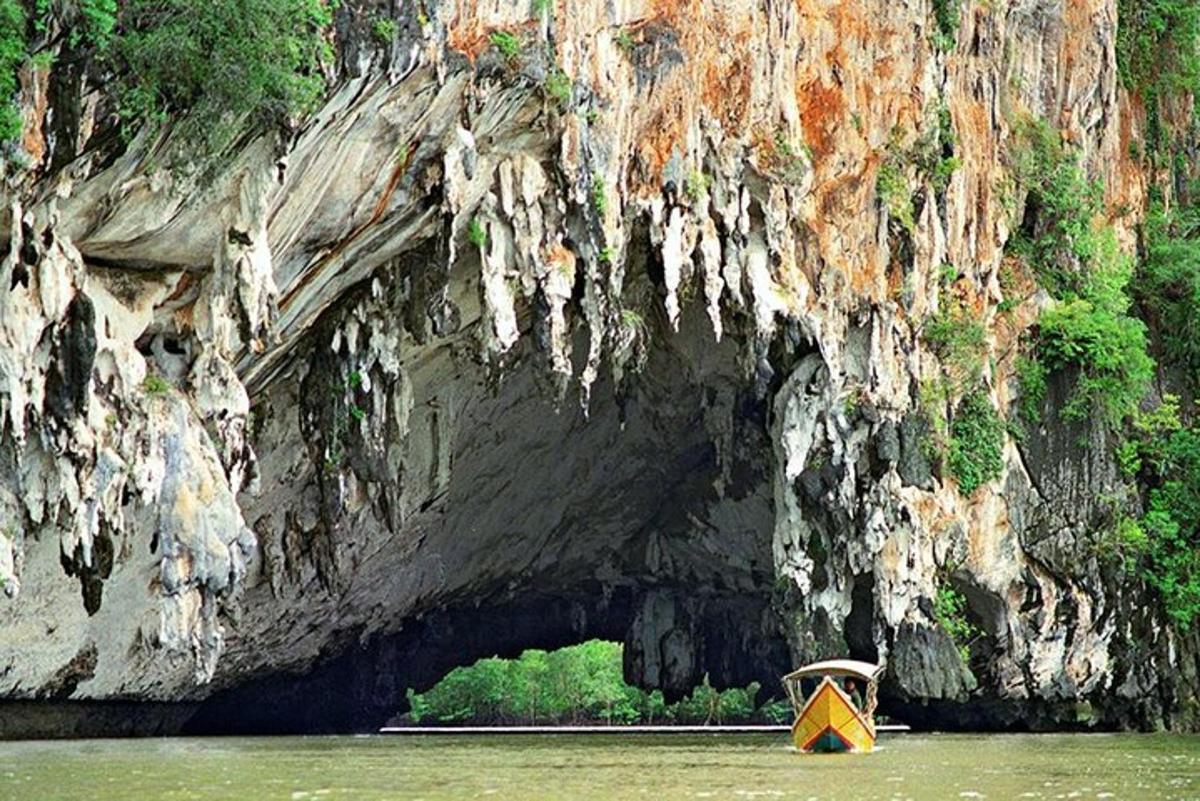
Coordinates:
(98, 21)
(384, 30)
(475, 234)
(155, 384)
(580, 683)
(789, 162)
(12, 55)
(931, 156)
(936, 151)
(893, 191)
(1031, 374)
(1157, 55)
(945, 12)
(633, 320)
(542, 8)
(1091, 330)
(971, 440)
(950, 611)
(1167, 285)
(696, 185)
(1066, 238)
(599, 194)
(975, 454)
(934, 398)
(1108, 346)
(508, 43)
(1164, 546)
(1075, 256)
(943, 170)
(558, 87)
(219, 65)
(958, 339)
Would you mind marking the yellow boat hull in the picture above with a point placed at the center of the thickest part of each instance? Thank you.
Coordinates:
(830, 723)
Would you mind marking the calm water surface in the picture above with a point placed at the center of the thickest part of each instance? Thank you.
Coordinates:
(1134, 767)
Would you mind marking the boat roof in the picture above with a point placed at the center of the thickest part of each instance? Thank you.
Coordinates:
(838, 667)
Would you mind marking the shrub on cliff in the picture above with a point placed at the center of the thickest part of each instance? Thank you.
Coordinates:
(976, 452)
(1157, 56)
(12, 54)
(1075, 254)
(1110, 350)
(1164, 455)
(1168, 285)
(220, 64)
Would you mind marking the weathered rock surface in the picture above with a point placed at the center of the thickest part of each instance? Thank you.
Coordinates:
(671, 400)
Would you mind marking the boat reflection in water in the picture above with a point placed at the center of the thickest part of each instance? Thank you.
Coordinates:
(833, 718)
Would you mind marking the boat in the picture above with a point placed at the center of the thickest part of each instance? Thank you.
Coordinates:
(828, 720)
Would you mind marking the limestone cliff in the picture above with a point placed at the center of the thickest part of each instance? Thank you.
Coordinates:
(614, 332)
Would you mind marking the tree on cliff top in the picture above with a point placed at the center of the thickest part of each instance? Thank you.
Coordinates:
(219, 65)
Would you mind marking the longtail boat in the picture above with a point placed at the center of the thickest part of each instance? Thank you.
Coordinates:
(828, 720)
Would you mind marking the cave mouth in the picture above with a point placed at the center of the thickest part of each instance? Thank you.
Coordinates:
(646, 520)
(367, 684)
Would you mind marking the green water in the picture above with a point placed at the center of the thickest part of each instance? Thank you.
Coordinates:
(921, 767)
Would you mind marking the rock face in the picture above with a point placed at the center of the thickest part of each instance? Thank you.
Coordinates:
(279, 442)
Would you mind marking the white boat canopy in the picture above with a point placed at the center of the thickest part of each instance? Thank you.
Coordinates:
(837, 667)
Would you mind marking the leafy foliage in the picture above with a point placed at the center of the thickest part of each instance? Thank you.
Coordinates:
(945, 13)
(957, 338)
(558, 87)
(155, 385)
(972, 439)
(931, 157)
(696, 186)
(1032, 375)
(1156, 43)
(976, 443)
(1167, 284)
(476, 234)
(1076, 258)
(895, 195)
(1060, 236)
(384, 30)
(1165, 543)
(575, 684)
(1110, 349)
(219, 64)
(12, 54)
(786, 161)
(599, 194)
(1157, 54)
(98, 21)
(950, 611)
(508, 43)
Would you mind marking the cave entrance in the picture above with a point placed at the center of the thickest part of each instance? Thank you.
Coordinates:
(646, 520)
